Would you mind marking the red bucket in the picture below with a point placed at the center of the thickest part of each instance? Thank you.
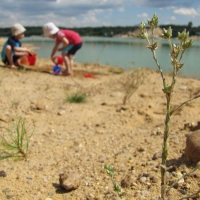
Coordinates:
(58, 60)
(32, 59)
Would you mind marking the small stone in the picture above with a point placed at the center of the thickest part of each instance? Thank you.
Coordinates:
(116, 198)
(153, 179)
(144, 192)
(6, 190)
(116, 94)
(7, 113)
(172, 169)
(142, 179)
(62, 112)
(3, 174)
(128, 180)
(141, 149)
(183, 87)
(179, 175)
(9, 196)
(70, 181)
(192, 147)
(152, 163)
(157, 155)
(51, 193)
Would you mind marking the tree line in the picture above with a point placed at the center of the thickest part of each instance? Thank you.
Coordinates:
(104, 31)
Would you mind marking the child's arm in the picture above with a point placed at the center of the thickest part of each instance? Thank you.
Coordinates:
(22, 50)
(65, 42)
(55, 48)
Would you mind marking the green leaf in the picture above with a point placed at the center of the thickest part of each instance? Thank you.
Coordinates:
(109, 170)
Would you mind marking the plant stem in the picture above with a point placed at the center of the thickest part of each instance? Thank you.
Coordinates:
(165, 149)
(192, 195)
(23, 153)
(188, 174)
(175, 109)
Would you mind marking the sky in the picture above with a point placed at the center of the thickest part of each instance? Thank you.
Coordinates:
(93, 13)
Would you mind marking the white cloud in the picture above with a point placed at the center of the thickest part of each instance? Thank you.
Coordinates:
(186, 11)
(93, 12)
(164, 3)
(143, 15)
(61, 12)
(173, 18)
(121, 9)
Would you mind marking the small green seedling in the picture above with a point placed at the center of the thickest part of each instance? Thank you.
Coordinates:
(116, 187)
(14, 140)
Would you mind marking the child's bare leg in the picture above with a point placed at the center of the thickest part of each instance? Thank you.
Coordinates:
(21, 57)
(8, 52)
(71, 63)
(67, 63)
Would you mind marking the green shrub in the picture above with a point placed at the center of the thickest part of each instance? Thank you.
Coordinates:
(77, 97)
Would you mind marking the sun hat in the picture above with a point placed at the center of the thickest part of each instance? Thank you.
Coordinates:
(50, 29)
(17, 29)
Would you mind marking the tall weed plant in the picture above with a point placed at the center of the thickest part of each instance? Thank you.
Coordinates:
(176, 52)
(14, 139)
(131, 82)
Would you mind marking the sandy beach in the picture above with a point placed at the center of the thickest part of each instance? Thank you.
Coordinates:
(82, 138)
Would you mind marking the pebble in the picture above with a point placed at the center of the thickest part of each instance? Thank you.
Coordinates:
(152, 163)
(144, 192)
(115, 94)
(179, 175)
(6, 113)
(183, 87)
(62, 112)
(51, 193)
(157, 155)
(168, 174)
(142, 179)
(6, 190)
(154, 179)
(52, 131)
(158, 132)
(3, 174)
(9, 196)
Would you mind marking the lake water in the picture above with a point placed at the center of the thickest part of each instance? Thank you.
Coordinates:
(127, 53)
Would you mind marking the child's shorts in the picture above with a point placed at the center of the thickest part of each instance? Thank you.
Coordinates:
(6, 61)
(71, 49)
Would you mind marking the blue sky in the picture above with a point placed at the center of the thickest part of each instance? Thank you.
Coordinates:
(82, 13)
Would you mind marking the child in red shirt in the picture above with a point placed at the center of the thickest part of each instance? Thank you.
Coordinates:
(70, 40)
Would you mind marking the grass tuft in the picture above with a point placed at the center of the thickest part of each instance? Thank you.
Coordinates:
(115, 71)
(77, 97)
(14, 140)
